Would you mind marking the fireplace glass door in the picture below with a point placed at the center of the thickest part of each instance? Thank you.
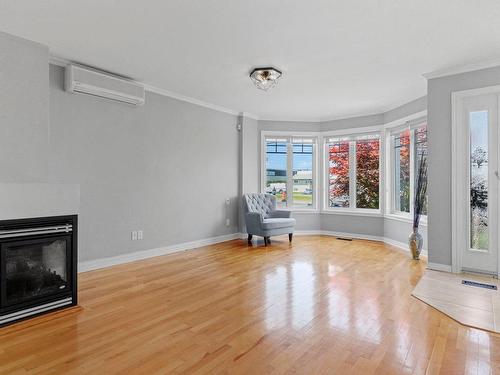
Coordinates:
(35, 269)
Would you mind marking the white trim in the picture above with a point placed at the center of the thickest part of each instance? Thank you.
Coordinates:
(462, 69)
(459, 174)
(91, 265)
(403, 120)
(406, 219)
(358, 236)
(353, 131)
(59, 61)
(353, 212)
(439, 267)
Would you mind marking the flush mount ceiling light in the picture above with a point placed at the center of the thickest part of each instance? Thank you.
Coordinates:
(265, 78)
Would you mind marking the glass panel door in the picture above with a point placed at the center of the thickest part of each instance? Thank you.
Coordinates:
(480, 125)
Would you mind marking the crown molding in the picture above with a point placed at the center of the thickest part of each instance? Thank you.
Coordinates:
(462, 69)
(60, 61)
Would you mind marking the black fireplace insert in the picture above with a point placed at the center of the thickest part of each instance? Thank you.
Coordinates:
(38, 266)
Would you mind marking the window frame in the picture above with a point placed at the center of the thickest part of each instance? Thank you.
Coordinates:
(352, 137)
(290, 136)
(390, 210)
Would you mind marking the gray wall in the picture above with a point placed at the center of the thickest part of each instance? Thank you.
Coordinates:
(24, 110)
(439, 130)
(399, 231)
(295, 126)
(362, 225)
(353, 122)
(407, 109)
(165, 168)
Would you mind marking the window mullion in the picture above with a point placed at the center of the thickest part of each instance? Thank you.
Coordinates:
(352, 174)
(289, 167)
(412, 169)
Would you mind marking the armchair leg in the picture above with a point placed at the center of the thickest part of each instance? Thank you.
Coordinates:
(250, 238)
(290, 236)
(267, 241)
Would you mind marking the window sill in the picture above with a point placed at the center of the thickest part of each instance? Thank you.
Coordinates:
(406, 219)
(304, 211)
(374, 213)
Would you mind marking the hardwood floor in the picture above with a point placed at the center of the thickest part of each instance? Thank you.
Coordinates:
(319, 305)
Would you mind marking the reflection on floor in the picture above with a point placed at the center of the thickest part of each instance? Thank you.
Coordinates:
(470, 305)
(316, 306)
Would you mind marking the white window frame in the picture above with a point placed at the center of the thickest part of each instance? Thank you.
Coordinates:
(289, 136)
(390, 130)
(349, 133)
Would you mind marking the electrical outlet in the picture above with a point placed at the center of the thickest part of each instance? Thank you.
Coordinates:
(140, 235)
(134, 235)
(228, 222)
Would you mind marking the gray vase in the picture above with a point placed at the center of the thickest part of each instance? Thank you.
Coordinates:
(415, 240)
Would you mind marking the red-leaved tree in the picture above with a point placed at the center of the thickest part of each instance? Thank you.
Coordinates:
(339, 174)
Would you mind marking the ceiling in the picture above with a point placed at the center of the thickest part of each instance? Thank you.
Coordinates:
(339, 58)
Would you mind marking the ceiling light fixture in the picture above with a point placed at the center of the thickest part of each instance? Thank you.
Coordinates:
(265, 78)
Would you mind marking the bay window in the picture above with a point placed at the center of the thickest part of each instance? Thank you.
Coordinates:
(409, 145)
(353, 172)
(290, 165)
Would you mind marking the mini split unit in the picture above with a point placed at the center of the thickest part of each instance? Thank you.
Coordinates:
(83, 80)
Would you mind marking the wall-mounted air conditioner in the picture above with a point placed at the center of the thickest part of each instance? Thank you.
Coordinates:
(87, 81)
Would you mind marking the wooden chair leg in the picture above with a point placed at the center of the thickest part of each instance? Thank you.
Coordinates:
(250, 238)
(290, 236)
(268, 240)
(265, 241)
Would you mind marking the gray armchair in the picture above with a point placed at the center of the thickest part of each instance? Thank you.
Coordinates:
(263, 219)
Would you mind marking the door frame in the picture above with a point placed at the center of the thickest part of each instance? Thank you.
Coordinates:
(459, 173)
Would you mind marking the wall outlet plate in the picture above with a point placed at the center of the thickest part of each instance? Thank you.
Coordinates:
(140, 235)
(134, 235)
(228, 222)
(228, 201)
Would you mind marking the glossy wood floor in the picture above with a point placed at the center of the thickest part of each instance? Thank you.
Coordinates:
(320, 305)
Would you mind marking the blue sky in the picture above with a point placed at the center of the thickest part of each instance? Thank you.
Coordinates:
(479, 129)
(300, 161)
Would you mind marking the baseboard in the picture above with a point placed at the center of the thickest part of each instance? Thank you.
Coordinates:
(358, 236)
(439, 267)
(91, 265)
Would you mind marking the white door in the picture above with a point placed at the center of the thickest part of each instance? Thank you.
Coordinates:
(479, 160)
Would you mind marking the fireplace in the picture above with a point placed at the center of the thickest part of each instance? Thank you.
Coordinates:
(38, 266)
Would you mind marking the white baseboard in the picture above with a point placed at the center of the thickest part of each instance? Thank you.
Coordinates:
(90, 265)
(439, 267)
(358, 236)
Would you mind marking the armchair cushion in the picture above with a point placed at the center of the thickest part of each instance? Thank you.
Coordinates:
(276, 223)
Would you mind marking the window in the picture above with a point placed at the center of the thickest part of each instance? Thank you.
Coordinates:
(290, 167)
(354, 172)
(402, 171)
(409, 146)
(276, 169)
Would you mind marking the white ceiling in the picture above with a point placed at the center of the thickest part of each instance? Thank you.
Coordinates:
(340, 58)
